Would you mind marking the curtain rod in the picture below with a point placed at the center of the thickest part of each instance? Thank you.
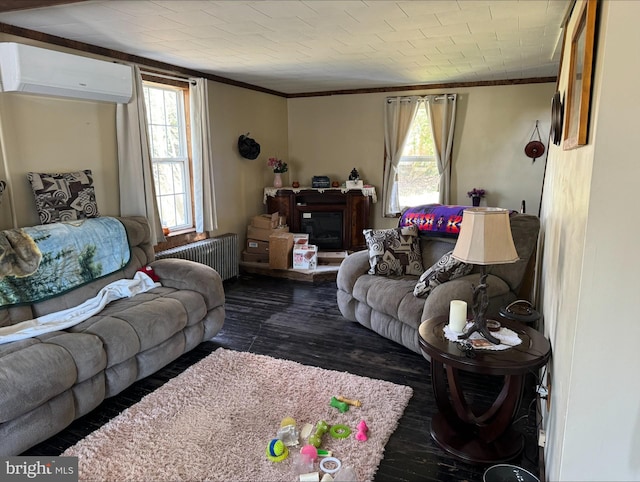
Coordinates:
(421, 98)
(169, 77)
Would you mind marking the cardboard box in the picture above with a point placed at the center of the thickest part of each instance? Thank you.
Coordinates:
(334, 258)
(300, 238)
(263, 234)
(280, 246)
(305, 256)
(255, 257)
(257, 247)
(266, 221)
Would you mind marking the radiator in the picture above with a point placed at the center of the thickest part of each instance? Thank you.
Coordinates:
(221, 253)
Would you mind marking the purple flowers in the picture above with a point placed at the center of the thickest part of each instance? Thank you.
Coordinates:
(277, 165)
(476, 192)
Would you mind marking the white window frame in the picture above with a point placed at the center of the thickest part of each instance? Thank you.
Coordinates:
(414, 159)
(183, 160)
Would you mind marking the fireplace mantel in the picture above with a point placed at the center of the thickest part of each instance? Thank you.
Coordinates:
(272, 191)
(354, 205)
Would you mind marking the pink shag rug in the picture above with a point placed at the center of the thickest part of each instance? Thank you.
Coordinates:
(215, 420)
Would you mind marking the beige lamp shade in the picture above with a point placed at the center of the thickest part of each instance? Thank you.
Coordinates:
(485, 237)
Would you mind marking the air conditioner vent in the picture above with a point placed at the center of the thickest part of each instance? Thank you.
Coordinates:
(35, 70)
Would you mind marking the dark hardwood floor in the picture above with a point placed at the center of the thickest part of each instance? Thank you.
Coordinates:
(301, 322)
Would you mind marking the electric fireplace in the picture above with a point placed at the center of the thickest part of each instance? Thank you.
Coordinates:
(333, 219)
(324, 228)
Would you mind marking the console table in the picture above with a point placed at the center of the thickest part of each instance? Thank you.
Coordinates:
(352, 205)
(487, 437)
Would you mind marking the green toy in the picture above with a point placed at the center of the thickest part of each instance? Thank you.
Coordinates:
(342, 406)
(316, 438)
(339, 431)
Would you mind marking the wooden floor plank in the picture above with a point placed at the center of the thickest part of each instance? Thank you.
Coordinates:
(300, 321)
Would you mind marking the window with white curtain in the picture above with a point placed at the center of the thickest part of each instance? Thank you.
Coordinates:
(418, 176)
(170, 153)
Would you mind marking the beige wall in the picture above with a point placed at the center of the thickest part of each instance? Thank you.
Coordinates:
(48, 134)
(43, 134)
(240, 182)
(589, 278)
(331, 135)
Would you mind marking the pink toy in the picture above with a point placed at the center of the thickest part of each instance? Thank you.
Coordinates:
(362, 431)
(310, 451)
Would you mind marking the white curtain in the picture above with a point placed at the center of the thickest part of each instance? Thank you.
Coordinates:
(137, 191)
(203, 187)
(398, 116)
(442, 118)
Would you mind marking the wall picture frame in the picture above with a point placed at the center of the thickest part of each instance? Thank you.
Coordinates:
(578, 100)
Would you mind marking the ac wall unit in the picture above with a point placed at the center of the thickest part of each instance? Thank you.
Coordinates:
(29, 69)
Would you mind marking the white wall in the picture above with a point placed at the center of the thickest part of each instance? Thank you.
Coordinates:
(589, 277)
(331, 135)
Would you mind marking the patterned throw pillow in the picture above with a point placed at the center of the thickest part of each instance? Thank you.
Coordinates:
(394, 251)
(445, 269)
(64, 196)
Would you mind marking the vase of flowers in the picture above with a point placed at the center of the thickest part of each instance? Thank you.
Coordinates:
(278, 167)
(475, 195)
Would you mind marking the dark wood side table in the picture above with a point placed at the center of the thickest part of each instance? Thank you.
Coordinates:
(487, 437)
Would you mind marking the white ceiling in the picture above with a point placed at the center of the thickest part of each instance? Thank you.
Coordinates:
(302, 46)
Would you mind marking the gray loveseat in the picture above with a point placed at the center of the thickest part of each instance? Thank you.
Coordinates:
(386, 304)
(48, 381)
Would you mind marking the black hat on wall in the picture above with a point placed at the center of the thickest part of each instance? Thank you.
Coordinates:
(248, 148)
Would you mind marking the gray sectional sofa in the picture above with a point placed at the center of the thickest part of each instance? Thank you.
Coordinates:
(387, 305)
(48, 381)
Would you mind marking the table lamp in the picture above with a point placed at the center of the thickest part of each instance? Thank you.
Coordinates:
(485, 238)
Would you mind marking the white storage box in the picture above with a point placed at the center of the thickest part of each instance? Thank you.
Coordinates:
(305, 256)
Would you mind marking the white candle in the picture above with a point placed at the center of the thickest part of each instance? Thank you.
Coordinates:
(457, 315)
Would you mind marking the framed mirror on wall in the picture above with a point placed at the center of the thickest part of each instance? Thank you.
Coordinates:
(580, 70)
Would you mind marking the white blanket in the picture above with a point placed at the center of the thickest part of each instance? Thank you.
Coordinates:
(60, 320)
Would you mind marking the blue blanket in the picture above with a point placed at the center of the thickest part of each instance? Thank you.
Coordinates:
(40, 262)
(434, 219)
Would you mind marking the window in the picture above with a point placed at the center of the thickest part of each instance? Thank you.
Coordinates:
(418, 176)
(170, 153)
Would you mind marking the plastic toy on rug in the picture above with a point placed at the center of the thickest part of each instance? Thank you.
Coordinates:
(342, 406)
(321, 428)
(305, 431)
(277, 451)
(363, 431)
(310, 477)
(353, 403)
(339, 431)
(330, 465)
(346, 474)
(288, 432)
(310, 452)
(303, 461)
